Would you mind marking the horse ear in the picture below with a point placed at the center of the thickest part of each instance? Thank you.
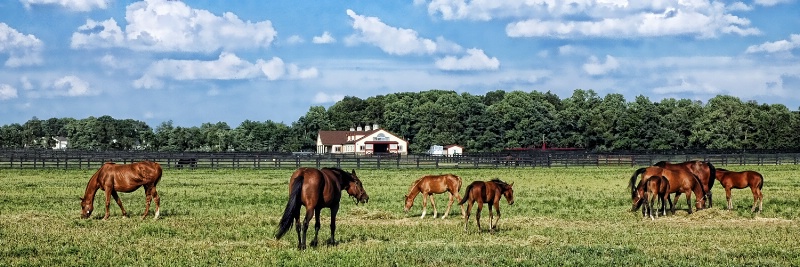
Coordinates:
(354, 171)
(512, 184)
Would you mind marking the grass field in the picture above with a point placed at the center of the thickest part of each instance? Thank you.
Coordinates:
(562, 216)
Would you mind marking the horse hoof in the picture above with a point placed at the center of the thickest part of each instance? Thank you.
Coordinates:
(301, 246)
(331, 243)
(314, 243)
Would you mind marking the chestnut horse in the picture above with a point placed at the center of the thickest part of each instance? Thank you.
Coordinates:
(434, 184)
(113, 178)
(679, 182)
(704, 171)
(655, 188)
(317, 189)
(486, 192)
(740, 180)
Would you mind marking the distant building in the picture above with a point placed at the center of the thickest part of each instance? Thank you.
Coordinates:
(361, 141)
(436, 150)
(452, 150)
(60, 142)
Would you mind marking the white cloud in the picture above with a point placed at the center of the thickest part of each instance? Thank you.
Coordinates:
(325, 38)
(474, 60)
(772, 2)
(158, 25)
(26, 83)
(572, 50)
(227, 67)
(22, 49)
(72, 86)
(602, 18)
(294, 39)
(7, 92)
(393, 40)
(74, 5)
(322, 97)
(777, 46)
(93, 34)
(682, 86)
(595, 67)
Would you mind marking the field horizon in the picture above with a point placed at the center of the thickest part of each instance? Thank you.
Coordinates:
(561, 216)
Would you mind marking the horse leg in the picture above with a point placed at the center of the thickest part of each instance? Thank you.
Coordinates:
(728, 197)
(497, 207)
(449, 204)
(148, 198)
(755, 198)
(316, 227)
(108, 201)
(491, 218)
(433, 204)
(334, 210)
(424, 205)
(674, 202)
(478, 215)
(298, 226)
(463, 212)
(158, 202)
(466, 215)
(119, 203)
(306, 221)
(689, 201)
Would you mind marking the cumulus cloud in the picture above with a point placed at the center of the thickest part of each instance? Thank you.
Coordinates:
(772, 2)
(393, 40)
(602, 18)
(7, 92)
(294, 39)
(322, 97)
(72, 86)
(73, 5)
(159, 25)
(595, 67)
(227, 67)
(475, 59)
(684, 85)
(777, 46)
(325, 38)
(22, 49)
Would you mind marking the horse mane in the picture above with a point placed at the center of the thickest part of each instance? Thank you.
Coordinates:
(721, 169)
(661, 164)
(415, 183)
(499, 182)
(344, 174)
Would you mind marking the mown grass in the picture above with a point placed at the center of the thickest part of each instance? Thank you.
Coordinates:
(562, 216)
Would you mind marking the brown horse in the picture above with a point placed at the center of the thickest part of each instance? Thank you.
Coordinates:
(740, 180)
(704, 171)
(317, 189)
(655, 188)
(679, 182)
(434, 184)
(486, 192)
(113, 178)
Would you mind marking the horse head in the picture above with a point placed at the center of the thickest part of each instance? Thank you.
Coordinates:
(86, 208)
(409, 203)
(356, 190)
(508, 192)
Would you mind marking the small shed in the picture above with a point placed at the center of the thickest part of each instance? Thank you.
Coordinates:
(452, 150)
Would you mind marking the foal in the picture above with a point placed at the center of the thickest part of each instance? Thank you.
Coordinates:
(487, 192)
(655, 188)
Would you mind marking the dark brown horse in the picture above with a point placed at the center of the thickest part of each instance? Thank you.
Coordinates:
(434, 184)
(704, 171)
(113, 178)
(655, 188)
(317, 189)
(487, 192)
(679, 182)
(740, 180)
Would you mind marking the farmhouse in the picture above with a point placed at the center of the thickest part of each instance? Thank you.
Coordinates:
(358, 141)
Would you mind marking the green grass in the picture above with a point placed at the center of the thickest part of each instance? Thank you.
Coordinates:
(562, 216)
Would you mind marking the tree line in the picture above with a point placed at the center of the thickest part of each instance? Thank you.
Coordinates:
(480, 123)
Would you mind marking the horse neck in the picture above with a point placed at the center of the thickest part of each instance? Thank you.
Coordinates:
(92, 187)
(414, 191)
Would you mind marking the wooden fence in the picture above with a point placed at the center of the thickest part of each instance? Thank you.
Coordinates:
(73, 159)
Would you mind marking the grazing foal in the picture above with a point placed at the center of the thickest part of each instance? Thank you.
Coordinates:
(487, 192)
(434, 184)
(113, 178)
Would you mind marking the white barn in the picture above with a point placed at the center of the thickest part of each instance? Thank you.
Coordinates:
(358, 141)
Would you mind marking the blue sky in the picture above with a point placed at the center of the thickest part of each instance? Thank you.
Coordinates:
(210, 61)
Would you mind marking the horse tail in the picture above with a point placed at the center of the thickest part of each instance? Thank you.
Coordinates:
(699, 183)
(466, 195)
(291, 208)
(713, 176)
(633, 181)
(761, 183)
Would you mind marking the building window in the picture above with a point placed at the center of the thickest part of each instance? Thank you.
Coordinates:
(381, 137)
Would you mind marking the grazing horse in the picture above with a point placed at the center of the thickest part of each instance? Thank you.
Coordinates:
(655, 188)
(740, 180)
(113, 178)
(434, 184)
(704, 171)
(317, 189)
(487, 192)
(679, 182)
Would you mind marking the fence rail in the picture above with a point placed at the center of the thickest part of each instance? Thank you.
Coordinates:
(74, 159)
